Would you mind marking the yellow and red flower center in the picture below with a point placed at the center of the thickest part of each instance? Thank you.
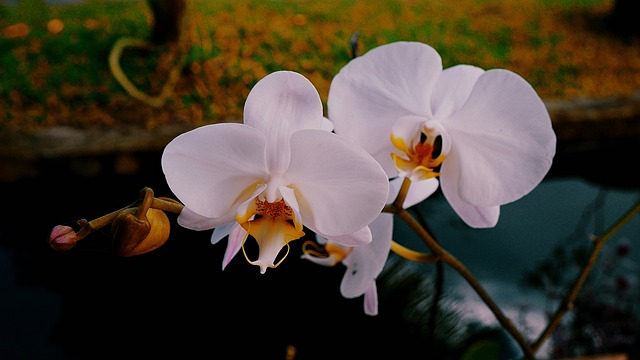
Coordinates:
(273, 226)
(274, 210)
(417, 162)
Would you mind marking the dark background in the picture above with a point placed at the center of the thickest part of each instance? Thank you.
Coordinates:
(88, 303)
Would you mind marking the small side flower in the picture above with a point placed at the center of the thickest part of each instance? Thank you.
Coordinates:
(363, 263)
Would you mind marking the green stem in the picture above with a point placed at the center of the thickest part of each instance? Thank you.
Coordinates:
(568, 302)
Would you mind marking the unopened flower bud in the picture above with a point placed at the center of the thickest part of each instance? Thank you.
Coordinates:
(134, 234)
(62, 238)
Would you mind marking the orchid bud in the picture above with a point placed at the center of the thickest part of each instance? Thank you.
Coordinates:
(134, 234)
(62, 238)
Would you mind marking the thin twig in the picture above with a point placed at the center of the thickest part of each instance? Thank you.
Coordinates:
(87, 227)
(167, 204)
(568, 302)
(162, 203)
(450, 260)
(397, 208)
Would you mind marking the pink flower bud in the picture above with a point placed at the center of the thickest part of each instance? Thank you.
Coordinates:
(62, 238)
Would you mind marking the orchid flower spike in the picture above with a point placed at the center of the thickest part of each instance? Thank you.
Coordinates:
(279, 171)
(364, 263)
(486, 135)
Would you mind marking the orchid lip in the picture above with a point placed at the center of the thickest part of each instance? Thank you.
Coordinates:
(273, 225)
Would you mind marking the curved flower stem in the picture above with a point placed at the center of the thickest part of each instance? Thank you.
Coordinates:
(444, 256)
(167, 204)
(412, 254)
(568, 302)
(87, 227)
(402, 193)
(454, 263)
(145, 198)
(397, 248)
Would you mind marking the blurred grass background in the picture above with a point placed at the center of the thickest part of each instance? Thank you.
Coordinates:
(54, 68)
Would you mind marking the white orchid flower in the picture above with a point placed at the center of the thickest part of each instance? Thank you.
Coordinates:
(279, 171)
(486, 135)
(364, 263)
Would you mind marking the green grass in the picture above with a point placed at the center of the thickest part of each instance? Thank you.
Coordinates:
(59, 78)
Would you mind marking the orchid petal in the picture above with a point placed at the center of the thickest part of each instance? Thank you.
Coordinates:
(384, 84)
(366, 262)
(244, 212)
(474, 216)
(221, 232)
(371, 299)
(189, 219)
(289, 198)
(394, 189)
(234, 244)
(382, 232)
(271, 235)
(503, 140)
(208, 168)
(386, 161)
(326, 124)
(340, 188)
(280, 104)
(356, 238)
(405, 132)
(453, 89)
(418, 191)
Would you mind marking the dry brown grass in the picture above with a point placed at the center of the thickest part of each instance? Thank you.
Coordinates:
(563, 50)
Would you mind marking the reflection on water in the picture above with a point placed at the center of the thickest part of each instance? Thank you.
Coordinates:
(543, 234)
